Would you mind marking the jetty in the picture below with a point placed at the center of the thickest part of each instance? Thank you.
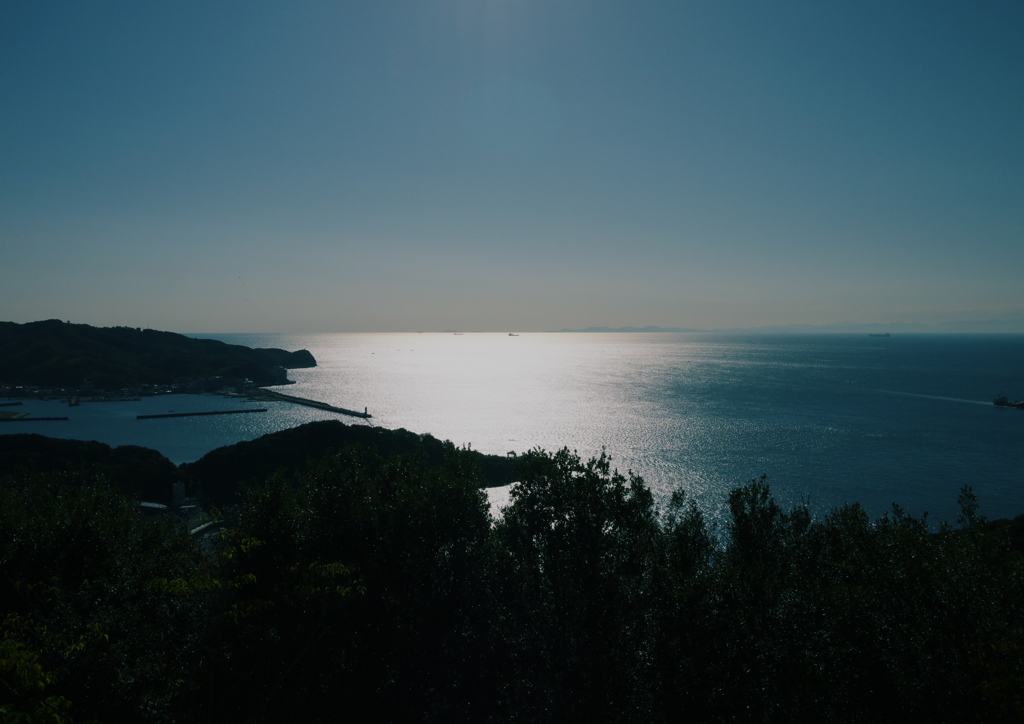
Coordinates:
(199, 414)
(23, 417)
(266, 395)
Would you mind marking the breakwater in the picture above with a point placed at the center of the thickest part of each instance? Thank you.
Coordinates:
(199, 414)
(270, 395)
(25, 418)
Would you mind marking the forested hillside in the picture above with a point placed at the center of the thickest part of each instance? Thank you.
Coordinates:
(55, 353)
(216, 478)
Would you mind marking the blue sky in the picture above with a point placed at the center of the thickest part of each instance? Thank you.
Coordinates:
(510, 165)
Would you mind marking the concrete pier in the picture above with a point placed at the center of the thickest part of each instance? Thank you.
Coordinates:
(267, 395)
(23, 417)
(199, 414)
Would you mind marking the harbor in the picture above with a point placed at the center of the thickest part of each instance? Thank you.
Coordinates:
(180, 438)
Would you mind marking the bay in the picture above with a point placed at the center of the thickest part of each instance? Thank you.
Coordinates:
(830, 419)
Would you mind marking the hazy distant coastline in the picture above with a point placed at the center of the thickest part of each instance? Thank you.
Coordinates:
(992, 326)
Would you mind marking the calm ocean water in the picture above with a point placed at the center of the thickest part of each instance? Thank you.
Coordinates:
(829, 418)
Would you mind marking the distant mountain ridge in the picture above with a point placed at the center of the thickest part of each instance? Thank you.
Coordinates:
(992, 326)
(62, 354)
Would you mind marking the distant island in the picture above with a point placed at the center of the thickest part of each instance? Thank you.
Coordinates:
(60, 354)
(991, 326)
(648, 328)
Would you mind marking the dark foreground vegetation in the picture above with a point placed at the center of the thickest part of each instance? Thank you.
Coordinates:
(373, 587)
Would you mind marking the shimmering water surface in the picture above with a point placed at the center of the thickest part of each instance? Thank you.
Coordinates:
(829, 418)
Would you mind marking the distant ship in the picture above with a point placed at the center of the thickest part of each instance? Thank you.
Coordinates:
(1001, 401)
(879, 334)
(512, 335)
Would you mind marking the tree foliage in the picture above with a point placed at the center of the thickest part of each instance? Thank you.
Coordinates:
(377, 583)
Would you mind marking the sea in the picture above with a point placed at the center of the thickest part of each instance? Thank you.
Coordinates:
(830, 419)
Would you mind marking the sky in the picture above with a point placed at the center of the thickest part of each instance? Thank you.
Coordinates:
(510, 164)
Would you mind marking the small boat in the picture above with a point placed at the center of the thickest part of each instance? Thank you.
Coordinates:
(512, 335)
(1002, 401)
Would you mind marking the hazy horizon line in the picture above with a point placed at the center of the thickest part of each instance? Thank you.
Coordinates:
(993, 326)
(990, 326)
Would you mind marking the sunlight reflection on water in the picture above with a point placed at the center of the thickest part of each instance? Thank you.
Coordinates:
(701, 412)
(830, 418)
